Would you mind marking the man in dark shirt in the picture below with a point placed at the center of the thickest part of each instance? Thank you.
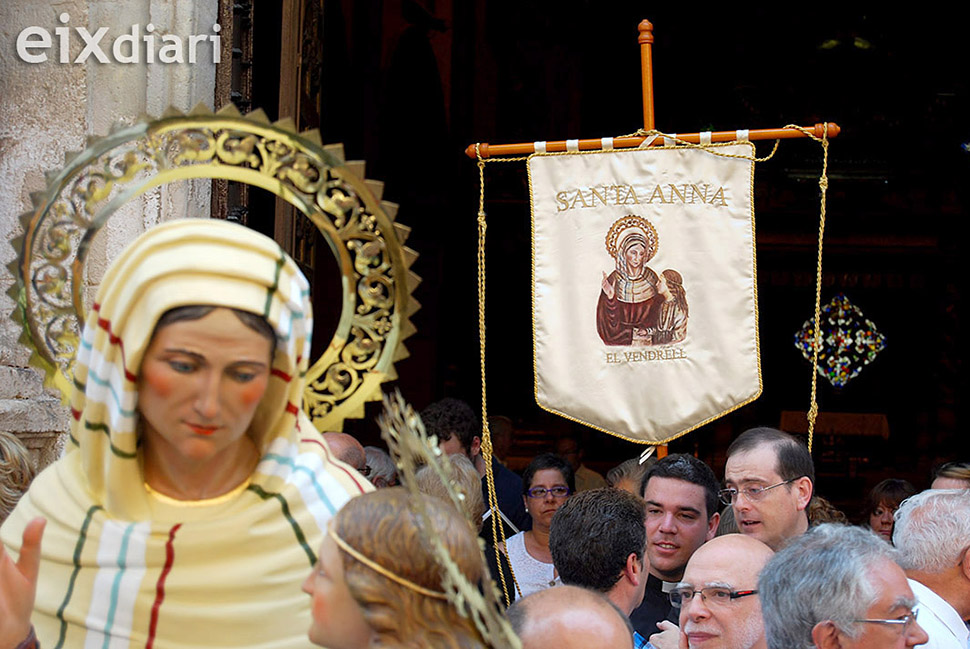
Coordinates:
(458, 431)
(681, 494)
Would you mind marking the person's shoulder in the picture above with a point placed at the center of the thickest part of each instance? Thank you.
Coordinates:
(506, 475)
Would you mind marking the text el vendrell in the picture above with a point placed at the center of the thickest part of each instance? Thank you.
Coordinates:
(34, 43)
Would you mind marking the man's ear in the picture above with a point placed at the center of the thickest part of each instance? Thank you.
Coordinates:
(826, 635)
(476, 447)
(965, 565)
(803, 492)
(634, 569)
(712, 524)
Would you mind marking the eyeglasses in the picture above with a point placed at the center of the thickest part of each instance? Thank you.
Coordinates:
(905, 621)
(716, 595)
(540, 492)
(728, 496)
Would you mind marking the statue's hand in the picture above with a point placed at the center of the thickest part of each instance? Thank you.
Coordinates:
(608, 286)
(18, 586)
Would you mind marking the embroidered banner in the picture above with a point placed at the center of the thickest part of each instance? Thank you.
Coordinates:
(644, 297)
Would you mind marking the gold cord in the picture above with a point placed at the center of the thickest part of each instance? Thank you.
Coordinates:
(376, 567)
(823, 183)
(498, 530)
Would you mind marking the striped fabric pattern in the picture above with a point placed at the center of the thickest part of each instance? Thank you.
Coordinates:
(123, 569)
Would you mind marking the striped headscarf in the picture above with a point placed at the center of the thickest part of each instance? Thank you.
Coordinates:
(123, 568)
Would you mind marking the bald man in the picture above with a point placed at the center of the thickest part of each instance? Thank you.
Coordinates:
(569, 617)
(718, 597)
(348, 450)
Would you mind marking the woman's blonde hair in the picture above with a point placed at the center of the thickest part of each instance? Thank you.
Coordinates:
(382, 527)
(16, 472)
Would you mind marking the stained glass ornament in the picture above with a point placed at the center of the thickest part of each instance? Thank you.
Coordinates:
(850, 341)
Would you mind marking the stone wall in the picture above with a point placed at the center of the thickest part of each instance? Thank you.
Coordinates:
(48, 109)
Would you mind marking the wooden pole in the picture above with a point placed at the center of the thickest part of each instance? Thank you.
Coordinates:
(555, 146)
(289, 105)
(646, 71)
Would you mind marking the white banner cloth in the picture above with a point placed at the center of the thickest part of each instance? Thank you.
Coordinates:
(644, 298)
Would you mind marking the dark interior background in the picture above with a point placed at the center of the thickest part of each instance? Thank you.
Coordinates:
(407, 85)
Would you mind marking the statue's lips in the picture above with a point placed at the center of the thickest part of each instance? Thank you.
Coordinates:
(202, 430)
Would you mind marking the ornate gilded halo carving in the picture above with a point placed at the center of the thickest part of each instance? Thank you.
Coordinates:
(360, 229)
(632, 223)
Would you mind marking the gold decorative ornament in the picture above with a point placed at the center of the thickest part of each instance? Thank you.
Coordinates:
(411, 448)
(359, 227)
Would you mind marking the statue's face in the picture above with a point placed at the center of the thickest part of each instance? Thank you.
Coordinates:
(634, 255)
(338, 622)
(200, 384)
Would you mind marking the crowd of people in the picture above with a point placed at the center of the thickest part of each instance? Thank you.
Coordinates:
(196, 500)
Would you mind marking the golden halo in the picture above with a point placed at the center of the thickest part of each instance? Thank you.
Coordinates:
(632, 223)
(79, 198)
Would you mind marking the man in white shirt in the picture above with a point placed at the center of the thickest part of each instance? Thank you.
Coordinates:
(932, 535)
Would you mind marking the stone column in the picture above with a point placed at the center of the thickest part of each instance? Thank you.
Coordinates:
(48, 109)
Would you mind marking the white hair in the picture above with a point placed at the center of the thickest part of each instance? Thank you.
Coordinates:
(932, 529)
(381, 465)
(821, 575)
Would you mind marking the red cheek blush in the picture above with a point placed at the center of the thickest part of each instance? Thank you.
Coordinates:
(253, 392)
(160, 381)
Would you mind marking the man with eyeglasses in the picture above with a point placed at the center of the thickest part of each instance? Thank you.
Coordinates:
(838, 587)
(597, 541)
(718, 597)
(769, 478)
(932, 536)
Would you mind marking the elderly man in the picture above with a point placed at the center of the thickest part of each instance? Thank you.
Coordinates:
(380, 468)
(569, 617)
(727, 613)
(838, 587)
(681, 496)
(931, 535)
(348, 450)
(769, 477)
(598, 542)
